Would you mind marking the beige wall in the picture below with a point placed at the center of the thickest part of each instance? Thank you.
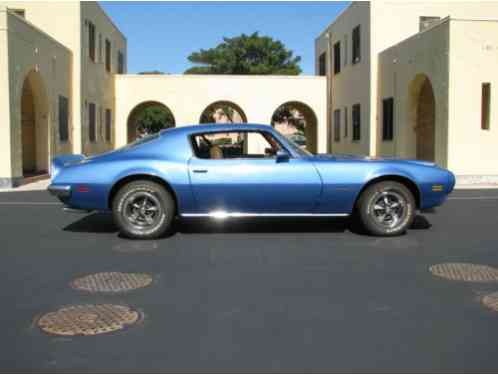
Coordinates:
(401, 69)
(66, 30)
(188, 95)
(352, 85)
(5, 139)
(394, 21)
(98, 84)
(30, 50)
(473, 60)
(384, 24)
(90, 81)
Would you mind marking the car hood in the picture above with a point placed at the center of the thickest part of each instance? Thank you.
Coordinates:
(369, 159)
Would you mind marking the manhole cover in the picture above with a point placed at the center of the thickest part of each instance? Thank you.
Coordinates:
(87, 320)
(112, 282)
(465, 272)
(491, 301)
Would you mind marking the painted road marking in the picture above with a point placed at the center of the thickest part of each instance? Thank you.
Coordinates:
(474, 198)
(30, 203)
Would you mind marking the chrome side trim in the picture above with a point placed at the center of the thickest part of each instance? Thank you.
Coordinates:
(75, 210)
(226, 215)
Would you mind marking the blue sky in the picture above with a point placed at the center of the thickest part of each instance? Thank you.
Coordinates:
(162, 34)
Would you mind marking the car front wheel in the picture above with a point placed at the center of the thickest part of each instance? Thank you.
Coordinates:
(386, 208)
(143, 210)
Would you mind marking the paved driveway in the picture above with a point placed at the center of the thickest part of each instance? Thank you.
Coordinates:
(307, 295)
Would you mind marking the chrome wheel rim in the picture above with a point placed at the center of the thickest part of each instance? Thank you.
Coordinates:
(142, 210)
(389, 208)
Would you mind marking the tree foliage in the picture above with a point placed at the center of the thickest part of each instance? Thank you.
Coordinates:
(208, 115)
(287, 113)
(153, 118)
(246, 54)
(152, 72)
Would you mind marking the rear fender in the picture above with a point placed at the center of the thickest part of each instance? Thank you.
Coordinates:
(63, 161)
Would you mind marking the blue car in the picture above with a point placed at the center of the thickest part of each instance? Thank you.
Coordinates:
(243, 170)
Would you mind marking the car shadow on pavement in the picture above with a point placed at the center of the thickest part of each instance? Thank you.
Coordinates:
(103, 223)
(94, 223)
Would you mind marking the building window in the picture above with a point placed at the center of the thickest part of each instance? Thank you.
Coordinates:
(120, 62)
(345, 122)
(322, 64)
(108, 120)
(337, 125)
(425, 22)
(337, 58)
(485, 105)
(101, 122)
(356, 45)
(91, 40)
(108, 55)
(100, 48)
(63, 119)
(356, 122)
(387, 119)
(345, 50)
(91, 122)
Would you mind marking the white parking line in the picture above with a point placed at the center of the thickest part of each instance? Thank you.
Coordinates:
(474, 198)
(29, 203)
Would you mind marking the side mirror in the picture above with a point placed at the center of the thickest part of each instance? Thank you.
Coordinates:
(282, 156)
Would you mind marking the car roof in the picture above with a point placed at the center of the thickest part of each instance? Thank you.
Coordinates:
(212, 127)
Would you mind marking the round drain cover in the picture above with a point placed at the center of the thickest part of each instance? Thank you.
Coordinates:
(465, 272)
(87, 320)
(491, 301)
(112, 282)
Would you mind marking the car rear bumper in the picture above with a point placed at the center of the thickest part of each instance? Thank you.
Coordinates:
(63, 192)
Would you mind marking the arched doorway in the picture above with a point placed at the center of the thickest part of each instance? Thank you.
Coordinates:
(222, 112)
(34, 126)
(147, 118)
(423, 114)
(298, 122)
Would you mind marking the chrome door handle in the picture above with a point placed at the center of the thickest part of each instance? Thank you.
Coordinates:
(200, 170)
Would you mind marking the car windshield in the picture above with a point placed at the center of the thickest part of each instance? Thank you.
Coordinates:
(291, 141)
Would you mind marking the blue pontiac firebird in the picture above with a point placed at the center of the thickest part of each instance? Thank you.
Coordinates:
(243, 170)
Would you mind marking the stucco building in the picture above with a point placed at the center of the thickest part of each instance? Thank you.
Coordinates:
(416, 80)
(64, 89)
(57, 67)
(394, 78)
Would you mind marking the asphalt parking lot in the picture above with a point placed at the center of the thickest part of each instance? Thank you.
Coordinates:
(298, 295)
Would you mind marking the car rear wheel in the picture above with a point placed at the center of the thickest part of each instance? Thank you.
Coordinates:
(143, 210)
(386, 208)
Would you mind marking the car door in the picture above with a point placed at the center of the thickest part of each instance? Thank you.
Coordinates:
(249, 179)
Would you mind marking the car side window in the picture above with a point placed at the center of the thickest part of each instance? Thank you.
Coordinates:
(235, 145)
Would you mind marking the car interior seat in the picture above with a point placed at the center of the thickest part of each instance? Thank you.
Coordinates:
(216, 152)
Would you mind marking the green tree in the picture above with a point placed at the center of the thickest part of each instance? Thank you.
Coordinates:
(246, 54)
(208, 115)
(153, 118)
(286, 113)
(151, 72)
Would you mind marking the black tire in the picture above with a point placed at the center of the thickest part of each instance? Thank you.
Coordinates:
(149, 220)
(386, 218)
